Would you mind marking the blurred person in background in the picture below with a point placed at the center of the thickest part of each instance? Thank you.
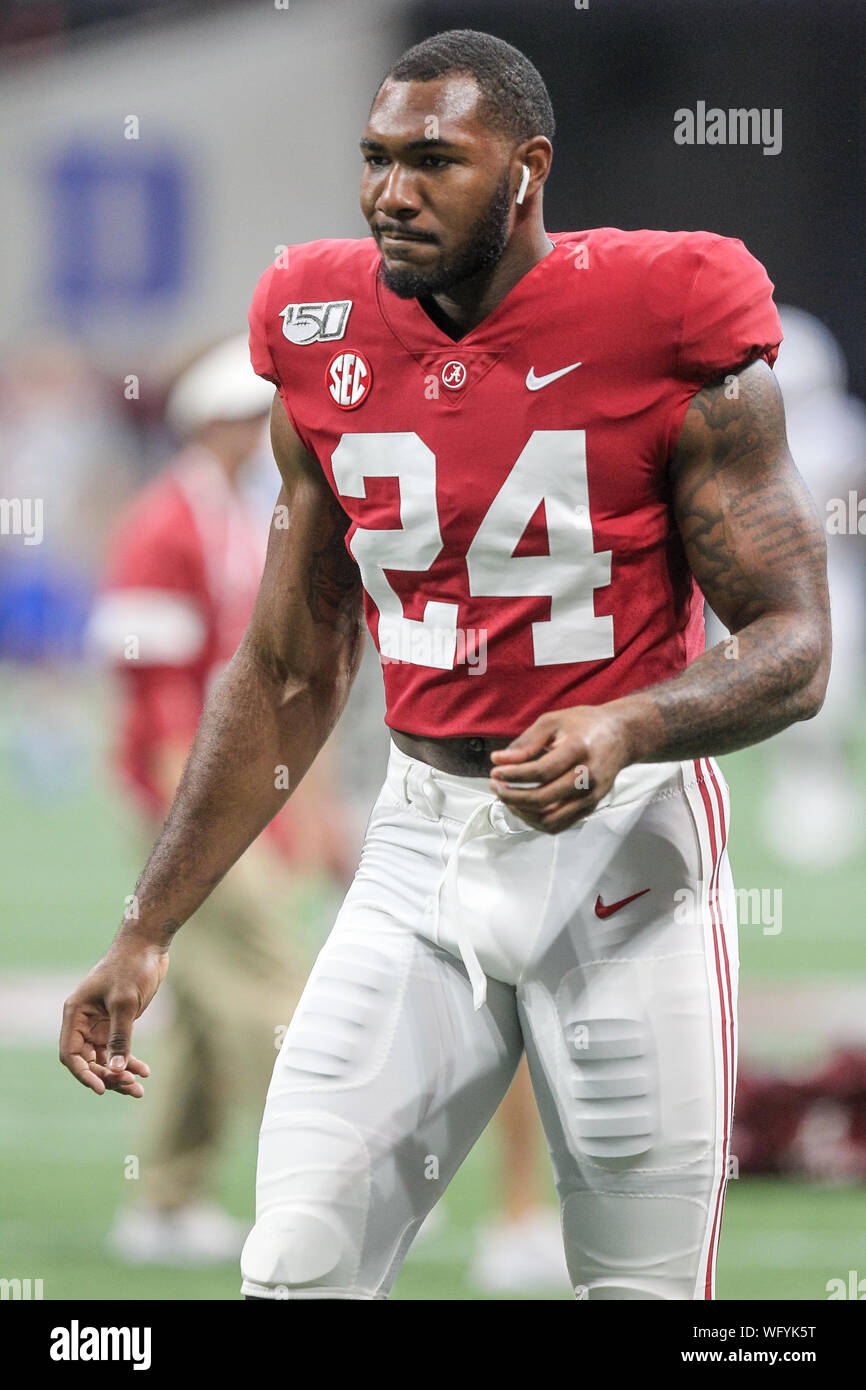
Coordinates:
(519, 1246)
(827, 433)
(826, 430)
(183, 571)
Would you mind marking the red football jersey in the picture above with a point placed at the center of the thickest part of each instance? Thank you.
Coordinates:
(507, 491)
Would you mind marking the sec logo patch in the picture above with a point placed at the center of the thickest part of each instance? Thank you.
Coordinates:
(349, 379)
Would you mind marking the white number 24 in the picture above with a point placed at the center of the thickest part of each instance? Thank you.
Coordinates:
(551, 468)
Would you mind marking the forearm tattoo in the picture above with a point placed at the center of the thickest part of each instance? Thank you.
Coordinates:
(757, 551)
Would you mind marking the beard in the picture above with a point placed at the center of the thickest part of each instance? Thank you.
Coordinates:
(481, 250)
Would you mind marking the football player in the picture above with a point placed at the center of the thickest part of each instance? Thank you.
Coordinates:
(523, 457)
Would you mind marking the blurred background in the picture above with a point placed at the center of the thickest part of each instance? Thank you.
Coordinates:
(156, 157)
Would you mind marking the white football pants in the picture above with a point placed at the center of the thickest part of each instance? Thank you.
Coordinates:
(608, 952)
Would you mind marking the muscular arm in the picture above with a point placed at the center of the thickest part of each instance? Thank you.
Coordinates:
(757, 550)
(272, 710)
(275, 703)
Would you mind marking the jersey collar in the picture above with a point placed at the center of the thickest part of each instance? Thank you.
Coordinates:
(513, 315)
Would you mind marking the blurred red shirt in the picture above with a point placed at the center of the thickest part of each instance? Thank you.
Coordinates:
(184, 567)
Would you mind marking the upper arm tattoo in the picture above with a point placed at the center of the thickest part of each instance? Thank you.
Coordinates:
(751, 535)
(333, 580)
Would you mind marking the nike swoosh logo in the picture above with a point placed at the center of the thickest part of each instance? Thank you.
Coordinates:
(607, 911)
(535, 383)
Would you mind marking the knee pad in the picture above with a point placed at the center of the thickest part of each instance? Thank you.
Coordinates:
(290, 1247)
(632, 1245)
(313, 1199)
(612, 1086)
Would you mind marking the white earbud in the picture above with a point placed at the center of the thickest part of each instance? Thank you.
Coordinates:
(523, 182)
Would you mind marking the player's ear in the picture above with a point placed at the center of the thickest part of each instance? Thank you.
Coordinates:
(535, 156)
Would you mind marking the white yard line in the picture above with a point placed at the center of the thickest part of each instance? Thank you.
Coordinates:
(786, 1022)
(31, 1007)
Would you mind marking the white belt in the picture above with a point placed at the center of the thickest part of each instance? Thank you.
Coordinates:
(434, 793)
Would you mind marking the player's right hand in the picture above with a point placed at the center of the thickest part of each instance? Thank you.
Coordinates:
(98, 1017)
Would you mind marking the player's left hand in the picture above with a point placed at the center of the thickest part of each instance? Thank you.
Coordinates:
(571, 756)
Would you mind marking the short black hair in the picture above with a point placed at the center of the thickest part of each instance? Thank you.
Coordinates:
(514, 98)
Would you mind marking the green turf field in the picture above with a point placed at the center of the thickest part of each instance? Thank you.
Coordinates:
(66, 868)
(62, 1160)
